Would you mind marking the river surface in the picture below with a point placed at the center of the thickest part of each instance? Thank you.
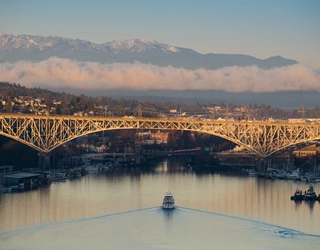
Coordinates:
(121, 210)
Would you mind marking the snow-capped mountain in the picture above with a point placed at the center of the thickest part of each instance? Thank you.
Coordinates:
(28, 42)
(37, 48)
(138, 46)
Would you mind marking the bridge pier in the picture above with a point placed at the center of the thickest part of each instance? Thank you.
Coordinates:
(44, 161)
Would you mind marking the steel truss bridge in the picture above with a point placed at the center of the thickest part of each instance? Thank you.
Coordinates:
(45, 133)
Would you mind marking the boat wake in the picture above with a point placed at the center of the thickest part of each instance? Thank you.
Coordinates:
(158, 228)
(276, 231)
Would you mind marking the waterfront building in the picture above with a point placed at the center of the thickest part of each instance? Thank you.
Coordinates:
(4, 170)
(20, 180)
(307, 152)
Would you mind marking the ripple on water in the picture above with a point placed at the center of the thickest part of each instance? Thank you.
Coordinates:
(154, 228)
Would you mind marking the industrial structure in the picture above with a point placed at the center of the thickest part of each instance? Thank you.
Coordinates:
(262, 138)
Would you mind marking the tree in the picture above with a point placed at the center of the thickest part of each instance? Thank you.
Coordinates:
(9, 105)
(58, 110)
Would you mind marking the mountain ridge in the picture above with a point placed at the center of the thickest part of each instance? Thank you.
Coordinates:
(38, 48)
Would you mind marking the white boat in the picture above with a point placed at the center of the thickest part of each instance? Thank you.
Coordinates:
(252, 173)
(168, 201)
(294, 174)
(280, 174)
(105, 167)
(59, 177)
(92, 168)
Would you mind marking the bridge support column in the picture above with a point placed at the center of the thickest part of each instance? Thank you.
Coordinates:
(44, 161)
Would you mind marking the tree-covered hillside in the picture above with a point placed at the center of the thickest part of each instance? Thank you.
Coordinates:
(17, 98)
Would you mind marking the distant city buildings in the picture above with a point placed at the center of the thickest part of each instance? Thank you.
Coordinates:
(308, 151)
(150, 137)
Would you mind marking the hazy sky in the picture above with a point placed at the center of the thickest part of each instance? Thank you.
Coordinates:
(264, 28)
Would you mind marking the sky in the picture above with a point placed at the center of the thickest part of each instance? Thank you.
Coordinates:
(258, 28)
(264, 28)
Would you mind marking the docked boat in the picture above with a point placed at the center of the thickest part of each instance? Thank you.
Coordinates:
(168, 201)
(310, 194)
(59, 177)
(252, 173)
(92, 168)
(295, 175)
(297, 195)
(4, 189)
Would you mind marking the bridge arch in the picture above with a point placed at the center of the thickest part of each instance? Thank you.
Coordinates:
(45, 133)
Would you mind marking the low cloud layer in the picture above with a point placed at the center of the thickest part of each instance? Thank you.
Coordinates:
(56, 73)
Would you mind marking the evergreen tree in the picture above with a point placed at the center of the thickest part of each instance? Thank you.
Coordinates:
(9, 105)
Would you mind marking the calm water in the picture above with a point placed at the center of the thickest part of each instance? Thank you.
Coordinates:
(120, 210)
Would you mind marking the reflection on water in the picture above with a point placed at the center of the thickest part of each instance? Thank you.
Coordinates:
(168, 215)
(137, 188)
(311, 204)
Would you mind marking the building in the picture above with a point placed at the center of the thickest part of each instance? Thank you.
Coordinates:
(20, 180)
(3, 171)
(307, 152)
(159, 137)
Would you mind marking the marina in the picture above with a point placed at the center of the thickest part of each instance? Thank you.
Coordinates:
(124, 189)
(283, 174)
(227, 203)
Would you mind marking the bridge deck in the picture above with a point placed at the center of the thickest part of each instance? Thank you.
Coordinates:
(44, 133)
